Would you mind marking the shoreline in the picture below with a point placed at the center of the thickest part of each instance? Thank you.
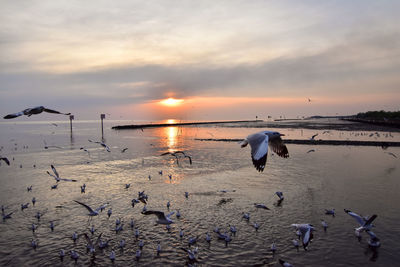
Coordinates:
(314, 124)
(317, 142)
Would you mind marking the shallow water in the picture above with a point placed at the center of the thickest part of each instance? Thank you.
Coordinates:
(362, 179)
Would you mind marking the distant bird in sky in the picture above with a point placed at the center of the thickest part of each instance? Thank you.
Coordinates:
(175, 154)
(102, 144)
(57, 177)
(162, 218)
(33, 111)
(259, 143)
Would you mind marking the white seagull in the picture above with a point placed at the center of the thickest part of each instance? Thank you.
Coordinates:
(162, 218)
(365, 223)
(33, 111)
(306, 230)
(259, 143)
(260, 206)
(57, 177)
(285, 263)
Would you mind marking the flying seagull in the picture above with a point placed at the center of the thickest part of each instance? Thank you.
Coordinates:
(259, 143)
(306, 230)
(175, 154)
(365, 223)
(57, 177)
(102, 144)
(162, 219)
(33, 111)
(91, 211)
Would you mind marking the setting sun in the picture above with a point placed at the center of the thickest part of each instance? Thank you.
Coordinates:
(171, 102)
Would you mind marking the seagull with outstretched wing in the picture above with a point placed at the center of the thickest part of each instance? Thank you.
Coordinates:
(259, 143)
(33, 111)
(57, 177)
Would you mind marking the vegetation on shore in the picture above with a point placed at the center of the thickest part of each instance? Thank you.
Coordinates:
(379, 115)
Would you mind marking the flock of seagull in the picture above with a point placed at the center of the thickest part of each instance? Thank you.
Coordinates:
(259, 144)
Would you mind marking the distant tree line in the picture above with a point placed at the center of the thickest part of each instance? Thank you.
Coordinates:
(379, 115)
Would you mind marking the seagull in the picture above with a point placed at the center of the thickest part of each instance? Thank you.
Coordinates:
(124, 149)
(91, 211)
(29, 188)
(6, 216)
(84, 149)
(74, 255)
(311, 150)
(187, 194)
(141, 244)
(102, 144)
(181, 233)
(122, 243)
(33, 111)
(285, 263)
(5, 160)
(178, 214)
(260, 206)
(306, 230)
(34, 244)
(92, 229)
(127, 186)
(365, 223)
(273, 247)
(177, 157)
(280, 195)
(313, 137)
(54, 186)
(330, 212)
(162, 219)
(61, 254)
(112, 256)
(109, 212)
(208, 238)
(158, 248)
(57, 177)
(324, 224)
(24, 206)
(191, 254)
(33, 201)
(374, 240)
(138, 254)
(246, 216)
(259, 143)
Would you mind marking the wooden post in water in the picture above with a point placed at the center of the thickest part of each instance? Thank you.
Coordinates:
(102, 116)
(71, 117)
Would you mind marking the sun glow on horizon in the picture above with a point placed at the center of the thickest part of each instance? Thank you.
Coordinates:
(171, 102)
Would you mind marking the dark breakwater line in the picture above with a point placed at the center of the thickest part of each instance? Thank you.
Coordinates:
(319, 142)
(141, 126)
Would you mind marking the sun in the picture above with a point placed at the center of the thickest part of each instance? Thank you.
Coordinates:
(171, 102)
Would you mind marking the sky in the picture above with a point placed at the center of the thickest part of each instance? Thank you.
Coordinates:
(224, 59)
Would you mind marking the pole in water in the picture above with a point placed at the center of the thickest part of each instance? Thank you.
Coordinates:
(71, 117)
(102, 116)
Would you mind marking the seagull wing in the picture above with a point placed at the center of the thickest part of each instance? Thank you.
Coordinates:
(5, 160)
(357, 217)
(68, 180)
(190, 159)
(259, 149)
(86, 206)
(54, 111)
(88, 240)
(278, 146)
(171, 213)
(57, 179)
(166, 153)
(55, 171)
(306, 235)
(13, 115)
(370, 220)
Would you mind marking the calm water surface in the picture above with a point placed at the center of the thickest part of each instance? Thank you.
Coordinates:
(362, 179)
